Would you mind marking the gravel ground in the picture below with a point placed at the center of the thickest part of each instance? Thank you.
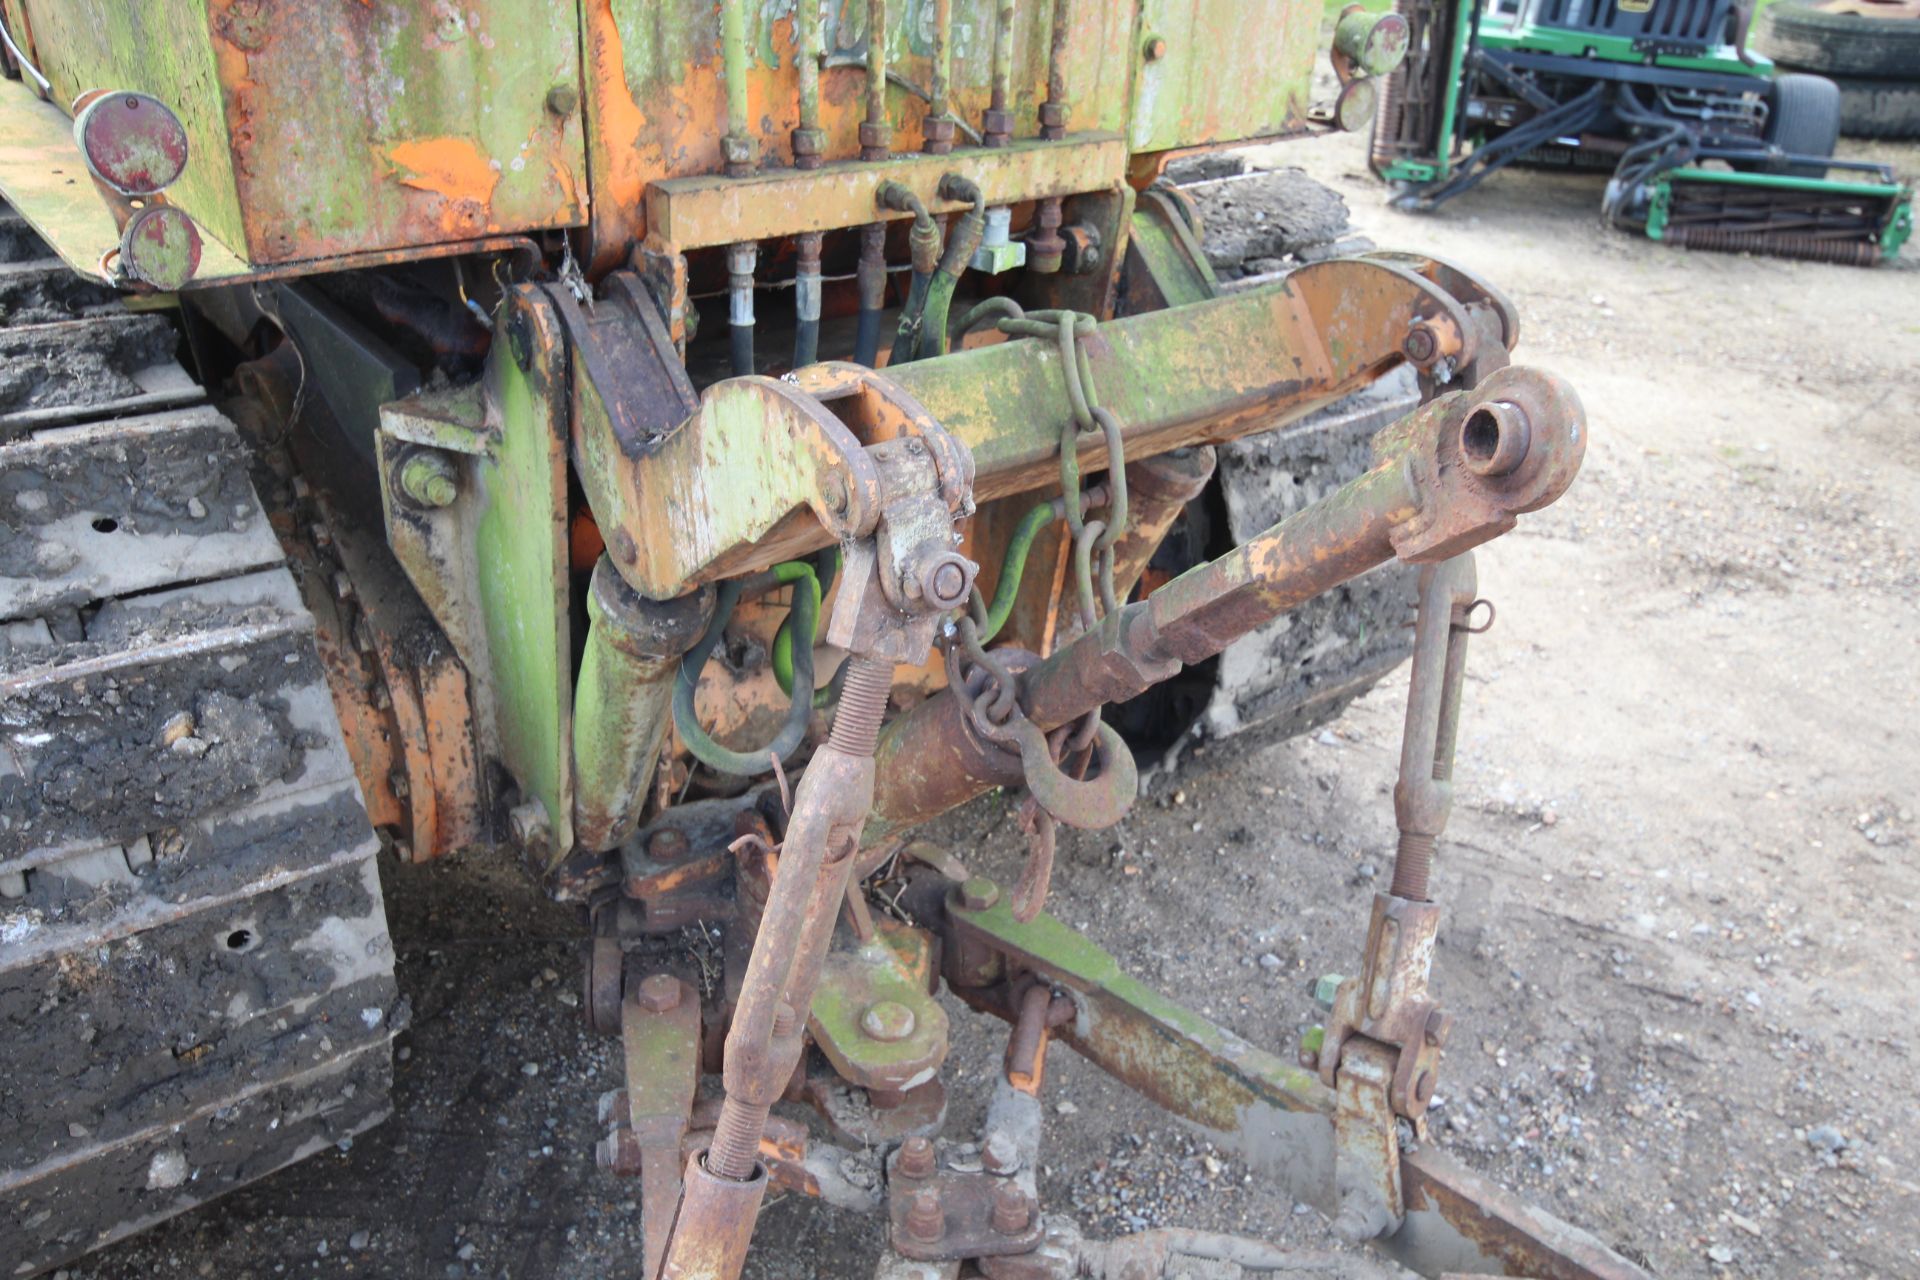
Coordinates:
(1678, 878)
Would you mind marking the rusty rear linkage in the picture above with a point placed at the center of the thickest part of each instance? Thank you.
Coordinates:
(785, 975)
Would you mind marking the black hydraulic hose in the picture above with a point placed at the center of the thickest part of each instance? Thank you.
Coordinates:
(1571, 116)
(742, 338)
(923, 241)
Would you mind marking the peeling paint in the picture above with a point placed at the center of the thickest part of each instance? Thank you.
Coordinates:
(452, 167)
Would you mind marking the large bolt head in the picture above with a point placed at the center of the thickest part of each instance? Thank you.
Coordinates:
(1421, 344)
(669, 844)
(1000, 1155)
(619, 1153)
(979, 893)
(1439, 1027)
(659, 993)
(887, 1021)
(945, 578)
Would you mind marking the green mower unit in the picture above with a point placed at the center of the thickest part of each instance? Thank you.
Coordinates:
(1706, 145)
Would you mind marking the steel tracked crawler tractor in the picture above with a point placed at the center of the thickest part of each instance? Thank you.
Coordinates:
(690, 446)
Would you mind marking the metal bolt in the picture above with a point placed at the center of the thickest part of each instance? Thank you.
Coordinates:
(429, 478)
(836, 493)
(659, 993)
(887, 1021)
(944, 578)
(1000, 1155)
(1156, 49)
(979, 893)
(916, 1158)
(1421, 343)
(926, 1220)
(619, 1153)
(1439, 1027)
(669, 844)
(1327, 989)
(563, 100)
(1012, 1211)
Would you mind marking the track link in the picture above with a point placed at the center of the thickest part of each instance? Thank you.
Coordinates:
(196, 981)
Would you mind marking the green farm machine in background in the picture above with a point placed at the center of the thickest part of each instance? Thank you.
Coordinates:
(1706, 144)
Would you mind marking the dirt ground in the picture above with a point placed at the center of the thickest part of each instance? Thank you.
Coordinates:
(1678, 878)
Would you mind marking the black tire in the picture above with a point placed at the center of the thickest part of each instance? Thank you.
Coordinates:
(1879, 108)
(1805, 120)
(1799, 35)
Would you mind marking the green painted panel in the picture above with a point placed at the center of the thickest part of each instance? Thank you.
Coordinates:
(520, 569)
(1227, 70)
(326, 127)
(161, 47)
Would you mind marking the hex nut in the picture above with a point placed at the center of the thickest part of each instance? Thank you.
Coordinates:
(1012, 1211)
(1327, 989)
(916, 1158)
(658, 993)
(926, 1219)
(979, 893)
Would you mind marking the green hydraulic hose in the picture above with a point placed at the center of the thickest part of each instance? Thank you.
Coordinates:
(816, 584)
(968, 229)
(1012, 567)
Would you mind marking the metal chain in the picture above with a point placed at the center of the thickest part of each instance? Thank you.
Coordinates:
(1093, 540)
(986, 684)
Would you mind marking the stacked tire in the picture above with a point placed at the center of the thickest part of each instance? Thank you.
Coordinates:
(1875, 61)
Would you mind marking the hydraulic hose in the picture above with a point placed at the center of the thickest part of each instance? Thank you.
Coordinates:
(741, 258)
(816, 580)
(1013, 566)
(924, 243)
(968, 230)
